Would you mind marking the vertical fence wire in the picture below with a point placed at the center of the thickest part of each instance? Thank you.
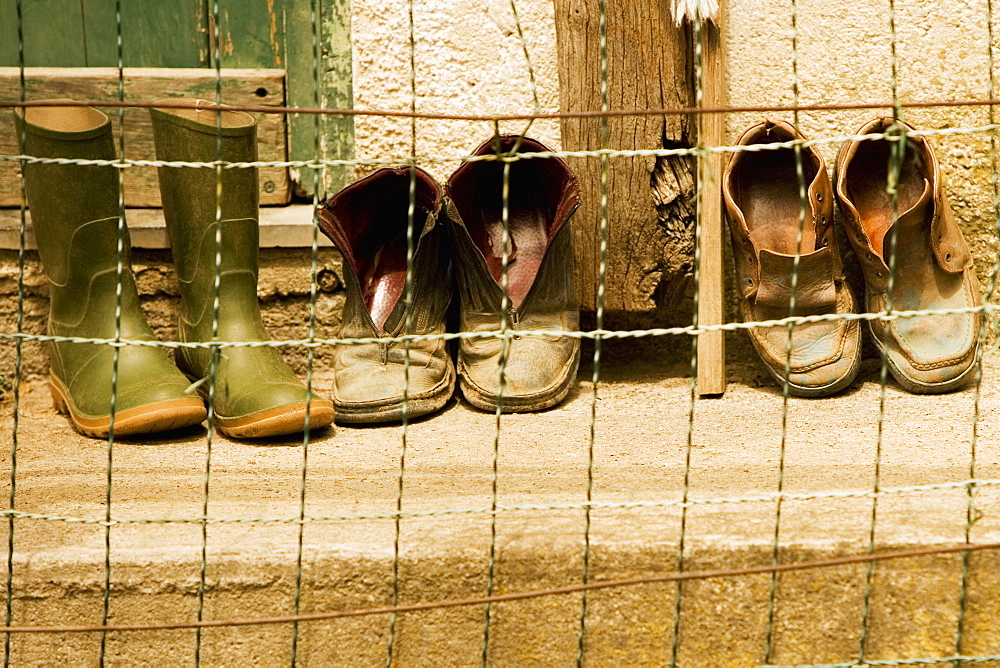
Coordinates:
(972, 514)
(215, 34)
(602, 271)
(505, 321)
(408, 326)
(701, 154)
(120, 276)
(786, 381)
(319, 176)
(18, 344)
(894, 170)
(532, 84)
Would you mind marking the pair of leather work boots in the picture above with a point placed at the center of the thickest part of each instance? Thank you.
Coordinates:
(785, 249)
(368, 222)
(75, 214)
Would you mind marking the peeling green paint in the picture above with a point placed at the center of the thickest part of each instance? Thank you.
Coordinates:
(175, 33)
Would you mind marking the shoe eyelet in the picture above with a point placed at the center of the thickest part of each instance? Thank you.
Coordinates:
(824, 242)
(947, 257)
(752, 260)
(819, 197)
(749, 281)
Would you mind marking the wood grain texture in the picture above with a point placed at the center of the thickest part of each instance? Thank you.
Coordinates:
(647, 69)
(84, 33)
(711, 279)
(334, 89)
(259, 87)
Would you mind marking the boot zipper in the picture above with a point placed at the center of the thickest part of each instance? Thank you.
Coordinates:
(383, 347)
(513, 317)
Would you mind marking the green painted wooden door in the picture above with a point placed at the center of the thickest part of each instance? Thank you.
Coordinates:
(276, 34)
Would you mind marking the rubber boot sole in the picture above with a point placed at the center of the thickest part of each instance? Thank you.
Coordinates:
(280, 421)
(149, 419)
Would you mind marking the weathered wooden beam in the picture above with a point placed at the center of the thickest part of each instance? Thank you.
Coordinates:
(255, 86)
(280, 227)
(336, 133)
(711, 279)
(647, 69)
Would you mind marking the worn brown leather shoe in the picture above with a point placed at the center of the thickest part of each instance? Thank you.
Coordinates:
(926, 354)
(543, 194)
(764, 210)
(367, 222)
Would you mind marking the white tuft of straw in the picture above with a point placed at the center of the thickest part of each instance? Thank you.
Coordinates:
(691, 10)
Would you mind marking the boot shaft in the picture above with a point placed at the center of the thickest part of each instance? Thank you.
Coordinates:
(196, 200)
(63, 198)
(542, 196)
(75, 215)
(367, 222)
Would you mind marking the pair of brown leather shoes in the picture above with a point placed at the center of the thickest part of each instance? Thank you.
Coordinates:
(779, 205)
(461, 225)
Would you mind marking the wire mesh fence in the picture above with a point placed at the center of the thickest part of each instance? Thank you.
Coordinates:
(761, 527)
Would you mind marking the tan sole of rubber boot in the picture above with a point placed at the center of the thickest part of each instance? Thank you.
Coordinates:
(148, 419)
(280, 421)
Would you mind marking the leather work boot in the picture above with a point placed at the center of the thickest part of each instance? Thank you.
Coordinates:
(764, 209)
(367, 221)
(74, 211)
(926, 354)
(256, 393)
(543, 194)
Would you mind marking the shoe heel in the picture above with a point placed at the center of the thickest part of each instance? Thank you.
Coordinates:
(58, 400)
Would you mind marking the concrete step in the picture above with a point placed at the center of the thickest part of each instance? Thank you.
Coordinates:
(638, 476)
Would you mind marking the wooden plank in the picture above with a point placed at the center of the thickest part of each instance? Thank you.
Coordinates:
(280, 227)
(647, 69)
(260, 87)
(53, 33)
(251, 33)
(144, 25)
(334, 89)
(711, 280)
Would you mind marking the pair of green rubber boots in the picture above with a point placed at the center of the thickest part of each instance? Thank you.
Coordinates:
(75, 213)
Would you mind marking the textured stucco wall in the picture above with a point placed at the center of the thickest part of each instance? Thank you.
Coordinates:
(844, 55)
(469, 60)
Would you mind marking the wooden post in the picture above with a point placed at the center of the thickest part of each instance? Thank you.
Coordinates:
(647, 69)
(711, 286)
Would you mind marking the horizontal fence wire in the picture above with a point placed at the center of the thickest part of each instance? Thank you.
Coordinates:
(490, 510)
(893, 136)
(598, 335)
(693, 330)
(520, 596)
(493, 118)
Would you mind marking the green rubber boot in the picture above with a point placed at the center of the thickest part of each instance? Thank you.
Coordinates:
(256, 393)
(74, 211)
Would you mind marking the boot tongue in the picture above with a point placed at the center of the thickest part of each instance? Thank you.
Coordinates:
(815, 289)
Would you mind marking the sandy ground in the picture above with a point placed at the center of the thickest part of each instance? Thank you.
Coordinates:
(640, 447)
